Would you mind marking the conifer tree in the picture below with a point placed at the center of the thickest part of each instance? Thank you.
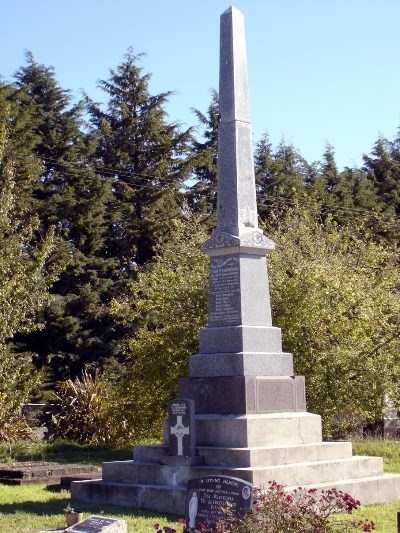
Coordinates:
(384, 167)
(71, 197)
(202, 194)
(281, 176)
(383, 171)
(146, 157)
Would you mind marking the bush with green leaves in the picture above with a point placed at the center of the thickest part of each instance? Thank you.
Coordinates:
(335, 294)
(85, 411)
(168, 303)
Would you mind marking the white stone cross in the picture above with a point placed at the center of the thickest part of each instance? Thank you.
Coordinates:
(179, 431)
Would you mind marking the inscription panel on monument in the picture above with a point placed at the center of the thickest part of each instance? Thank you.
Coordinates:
(224, 294)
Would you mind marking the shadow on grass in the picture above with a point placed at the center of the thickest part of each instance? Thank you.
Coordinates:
(65, 454)
(51, 507)
(56, 506)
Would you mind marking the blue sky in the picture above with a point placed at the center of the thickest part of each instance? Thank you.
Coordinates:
(319, 70)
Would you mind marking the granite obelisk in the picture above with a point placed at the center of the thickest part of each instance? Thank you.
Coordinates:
(250, 417)
(239, 344)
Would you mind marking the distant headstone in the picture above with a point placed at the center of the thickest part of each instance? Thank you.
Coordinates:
(98, 524)
(207, 496)
(181, 418)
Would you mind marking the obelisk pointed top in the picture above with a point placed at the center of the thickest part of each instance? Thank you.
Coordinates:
(231, 9)
(233, 90)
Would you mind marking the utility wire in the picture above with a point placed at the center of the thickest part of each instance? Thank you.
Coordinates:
(284, 202)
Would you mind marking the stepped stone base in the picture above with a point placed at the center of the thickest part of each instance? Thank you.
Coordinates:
(245, 394)
(286, 447)
(240, 364)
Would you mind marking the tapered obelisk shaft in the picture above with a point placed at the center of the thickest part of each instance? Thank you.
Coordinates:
(237, 208)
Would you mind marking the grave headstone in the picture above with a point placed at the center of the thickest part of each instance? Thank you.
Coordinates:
(99, 524)
(206, 498)
(182, 438)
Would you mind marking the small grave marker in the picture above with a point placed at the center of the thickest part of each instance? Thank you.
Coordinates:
(182, 439)
(207, 496)
(98, 524)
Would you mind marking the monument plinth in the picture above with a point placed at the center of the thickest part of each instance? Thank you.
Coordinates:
(250, 416)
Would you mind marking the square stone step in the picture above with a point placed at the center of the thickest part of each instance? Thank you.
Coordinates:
(262, 456)
(290, 474)
(322, 471)
(159, 498)
(149, 453)
(259, 430)
(369, 490)
(274, 455)
(171, 498)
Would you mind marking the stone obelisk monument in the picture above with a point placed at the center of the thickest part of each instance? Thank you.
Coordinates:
(250, 420)
(239, 347)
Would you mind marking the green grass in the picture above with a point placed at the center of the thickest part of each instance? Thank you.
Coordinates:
(383, 515)
(62, 452)
(388, 449)
(24, 509)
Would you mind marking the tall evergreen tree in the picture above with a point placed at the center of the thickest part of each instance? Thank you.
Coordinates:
(383, 170)
(384, 167)
(74, 199)
(329, 169)
(281, 176)
(202, 194)
(146, 157)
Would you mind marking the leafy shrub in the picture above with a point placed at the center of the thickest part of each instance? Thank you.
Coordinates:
(85, 412)
(14, 429)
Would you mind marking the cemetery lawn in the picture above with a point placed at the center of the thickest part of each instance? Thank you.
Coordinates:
(62, 452)
(24, 509)
(388, 449)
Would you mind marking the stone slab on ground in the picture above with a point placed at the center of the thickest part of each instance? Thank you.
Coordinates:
(61, 530)
(65, 481)
(50, 473)
(99, 524)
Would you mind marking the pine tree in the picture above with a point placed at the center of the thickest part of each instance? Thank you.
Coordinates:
(281, 177)
(146, 157)
(202, 194)
(71, 197)
(384, 167)
(383, 171)
(329, 169)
